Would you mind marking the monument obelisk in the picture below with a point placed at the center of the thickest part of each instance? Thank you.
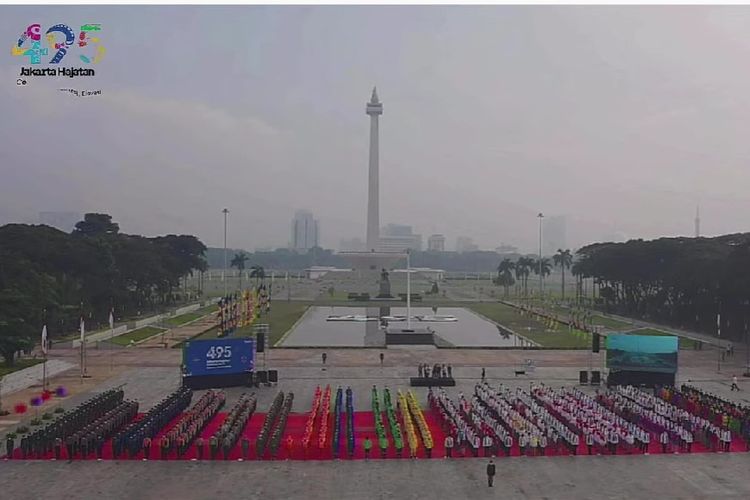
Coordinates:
(373, 259)
(374, 110)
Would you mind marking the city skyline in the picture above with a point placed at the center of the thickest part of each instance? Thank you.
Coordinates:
(604, 140)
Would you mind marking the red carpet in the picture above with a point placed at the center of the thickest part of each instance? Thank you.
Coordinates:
(364, 426)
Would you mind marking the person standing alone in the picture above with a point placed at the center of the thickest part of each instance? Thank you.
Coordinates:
(735, 387)
(490, 473)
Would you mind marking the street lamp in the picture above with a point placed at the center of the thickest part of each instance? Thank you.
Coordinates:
(540, 217)
(408, 290)
(224, 270)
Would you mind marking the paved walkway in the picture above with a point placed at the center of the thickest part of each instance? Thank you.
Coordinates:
(637, 323)
(180, 334)
(22, 379)
(705, 476)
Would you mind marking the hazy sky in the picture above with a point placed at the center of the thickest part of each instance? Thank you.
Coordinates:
(620, 118)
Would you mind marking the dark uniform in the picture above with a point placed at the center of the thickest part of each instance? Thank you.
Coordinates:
(164, 447)
(200, 445)
(10, 445)
(490, 473)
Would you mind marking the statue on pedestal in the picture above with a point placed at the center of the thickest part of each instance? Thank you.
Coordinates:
(385, 285)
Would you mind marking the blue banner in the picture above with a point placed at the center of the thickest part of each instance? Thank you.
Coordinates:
(218, 357)
(654, 353)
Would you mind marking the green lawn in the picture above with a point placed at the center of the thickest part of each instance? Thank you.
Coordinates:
(281, 318)
(207, 309)
(20, 364)
(532, 329)
(610, 323)
(683, 342)
(564, 311)
(182, 319)
(137, 335)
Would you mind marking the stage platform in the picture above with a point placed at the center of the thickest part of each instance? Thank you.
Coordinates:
(432, 382)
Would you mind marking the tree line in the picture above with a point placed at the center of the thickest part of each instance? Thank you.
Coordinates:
(696, 283)
(284, 259)
(509, 272)
(51, 277)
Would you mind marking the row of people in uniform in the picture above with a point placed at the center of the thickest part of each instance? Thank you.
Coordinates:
(231, 429)
(181, 434)
(460, 434)
(653, 424)
(534, 433)
(438, 370)
(584, 416)
(558, 435)
(659, 417)
(729, 415)
(70, 426)
(92, 438)
(493, 406)
(131, 438)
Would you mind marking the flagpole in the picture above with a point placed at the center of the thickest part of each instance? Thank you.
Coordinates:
(44, 352)
(81, 348)
(718, 336)
(82, 327)
(85, 357)
(111, 336)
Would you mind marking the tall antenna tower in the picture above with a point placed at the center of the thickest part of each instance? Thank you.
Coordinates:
(698, 221)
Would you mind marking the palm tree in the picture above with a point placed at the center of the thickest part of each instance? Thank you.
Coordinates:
(523, 269)
(543, 267)
(504, 276)
(576, 271)
(563, 259)
(258, 273)
(238, 261)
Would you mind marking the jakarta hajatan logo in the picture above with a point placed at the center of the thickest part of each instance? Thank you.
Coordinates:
(60, 38)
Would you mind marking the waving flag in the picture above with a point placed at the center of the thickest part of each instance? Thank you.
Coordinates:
(44, 339)
(83, 330)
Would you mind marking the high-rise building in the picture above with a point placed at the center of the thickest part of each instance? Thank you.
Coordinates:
(436, 243)
(64, 221)
(396, 230)
(352, 245)
(505, 249)
(554, 234)
(399, 238)
(305, 231)
(465, 244)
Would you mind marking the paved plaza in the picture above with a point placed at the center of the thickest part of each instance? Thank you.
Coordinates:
(470, 330)
(149, 374)
(706, 476)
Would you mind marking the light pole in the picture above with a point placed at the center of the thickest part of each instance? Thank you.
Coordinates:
(408, 290)
(224, 270)
(718, 336)
(540, 217)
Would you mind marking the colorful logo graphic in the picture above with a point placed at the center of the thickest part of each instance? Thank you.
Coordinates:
(59, 39)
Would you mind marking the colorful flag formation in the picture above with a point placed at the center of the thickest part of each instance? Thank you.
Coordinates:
(240, 310)
(227, 316)
(549, 320)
